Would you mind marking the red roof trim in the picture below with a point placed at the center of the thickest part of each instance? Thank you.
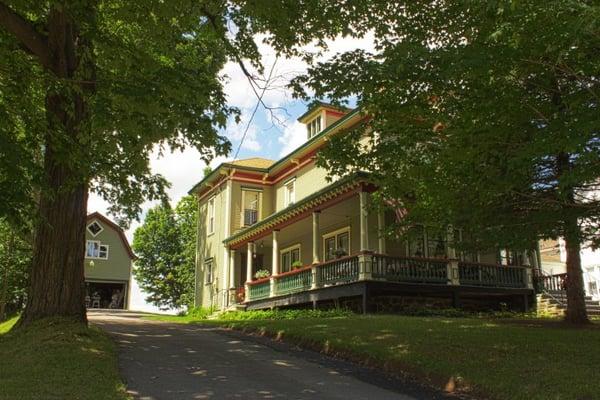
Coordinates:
(97, 215)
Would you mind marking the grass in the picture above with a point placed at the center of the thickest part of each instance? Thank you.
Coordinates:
(58, 359)
(501, 359)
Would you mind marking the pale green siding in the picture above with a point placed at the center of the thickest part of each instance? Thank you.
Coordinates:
(309, 179)
(118, 265)
(210, 248)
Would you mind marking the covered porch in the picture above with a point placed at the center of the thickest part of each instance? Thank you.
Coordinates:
(329, 247)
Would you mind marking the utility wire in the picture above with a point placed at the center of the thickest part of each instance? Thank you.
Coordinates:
(258, 103)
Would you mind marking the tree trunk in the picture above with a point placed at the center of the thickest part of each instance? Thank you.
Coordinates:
(576, 310)
(57, 286)
(4, 291)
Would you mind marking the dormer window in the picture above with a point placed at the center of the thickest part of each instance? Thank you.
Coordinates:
(314, 127)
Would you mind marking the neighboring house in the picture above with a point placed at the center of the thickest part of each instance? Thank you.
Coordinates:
(322, 246)
(108, 259)
(554, 263)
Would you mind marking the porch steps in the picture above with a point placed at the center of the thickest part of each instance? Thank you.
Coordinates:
(554, 302)
(233, 307)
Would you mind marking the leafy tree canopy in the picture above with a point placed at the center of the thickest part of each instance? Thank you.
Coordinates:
(484, 115)
(166, 246)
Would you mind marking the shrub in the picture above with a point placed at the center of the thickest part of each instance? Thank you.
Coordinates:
(297, 265)
(283, 314)
(262, 273)
(200, 312)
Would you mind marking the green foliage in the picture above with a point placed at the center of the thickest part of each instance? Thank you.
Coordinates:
(485, 115)
(262, 273)
(58, 358)
(199, 313)
(15, 262)
(283, 314)
(165, 245)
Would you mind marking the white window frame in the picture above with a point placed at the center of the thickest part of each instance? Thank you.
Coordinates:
(258, 206)
(289, 199)
(210, 224)
(92, 223)
(315, 126)
(335, 234)
(289, 249)
(209, 271)
(100, 246)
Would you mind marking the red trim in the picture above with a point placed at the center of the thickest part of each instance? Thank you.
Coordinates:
(261, 280)
(335, 112)
(249, 175)
(97, 215)
(293, 272)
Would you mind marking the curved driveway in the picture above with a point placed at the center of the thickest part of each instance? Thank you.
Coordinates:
(164, 361)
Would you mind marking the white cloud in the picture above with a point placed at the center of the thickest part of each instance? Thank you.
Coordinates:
(293, 137)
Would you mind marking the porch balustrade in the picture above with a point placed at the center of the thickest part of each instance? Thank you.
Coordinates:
(294, 281)
(410, 269)
(492, 275)
(341, 270)
(259, 289)
(369, 266)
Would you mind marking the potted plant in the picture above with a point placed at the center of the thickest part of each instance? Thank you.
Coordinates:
(262, 273)
(339, 253)
(297, 265)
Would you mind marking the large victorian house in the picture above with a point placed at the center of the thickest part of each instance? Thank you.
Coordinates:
(278, 234)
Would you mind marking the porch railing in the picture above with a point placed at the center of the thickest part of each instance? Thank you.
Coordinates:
(369, 266)
(410, 269)
(491, 275)
(341, 270)
(293, 281)
(554, 282)
(259, 289)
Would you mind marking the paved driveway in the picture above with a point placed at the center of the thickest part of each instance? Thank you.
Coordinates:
(163, 361)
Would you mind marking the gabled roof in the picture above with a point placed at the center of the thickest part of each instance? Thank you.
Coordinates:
(97, 215)
(254, 162)
(274, 165)
(321, 104)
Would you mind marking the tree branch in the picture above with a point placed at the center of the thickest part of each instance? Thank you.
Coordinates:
(26, 34)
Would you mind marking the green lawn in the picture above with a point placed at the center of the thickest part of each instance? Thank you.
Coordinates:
(58, 359)
(498, 358)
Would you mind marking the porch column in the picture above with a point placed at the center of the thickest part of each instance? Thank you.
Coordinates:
(231, 271)
(275, 256)
(452, 270)
(274, 263)
(249, 262)
(315, 236)
(226, 277)
(381, 228)
(364, 222)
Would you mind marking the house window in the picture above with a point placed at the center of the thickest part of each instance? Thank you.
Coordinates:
(289, 256)
(290, 192)
(436, 244)
(415, 246)
(94, 249)
(208, 269)
(314, 127)
(336, 244)
(211, 215)
(251, 206)
(95, 228)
